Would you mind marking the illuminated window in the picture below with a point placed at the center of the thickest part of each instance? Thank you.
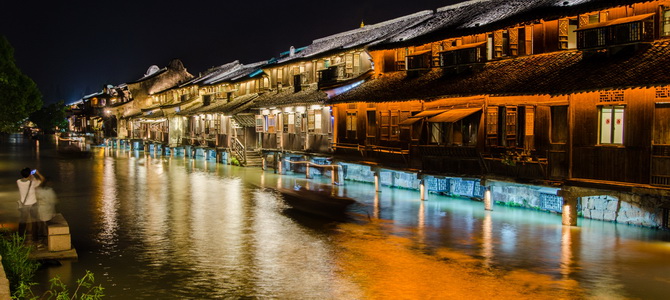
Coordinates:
(352, 119)
(310, 121)
(666, 22)
(271, 123)
(611, 124)
(394, 129)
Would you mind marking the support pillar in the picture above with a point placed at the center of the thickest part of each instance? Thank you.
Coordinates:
(569, 214)
(307, 175)
(280, 164)
(376, 172)
(422, 187)
(335, 175)
(488, 202)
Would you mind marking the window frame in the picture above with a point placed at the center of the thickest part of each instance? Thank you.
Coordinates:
(615, 138)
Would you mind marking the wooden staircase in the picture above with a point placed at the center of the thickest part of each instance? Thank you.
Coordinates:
(253, 159)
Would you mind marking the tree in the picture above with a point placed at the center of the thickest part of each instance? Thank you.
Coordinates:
(50, 117)
(19, 95)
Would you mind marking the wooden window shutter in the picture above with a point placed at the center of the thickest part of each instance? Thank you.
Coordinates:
(514, 41)
(528, 40)
(511, 125)
(563, 28)
(583, 20)
(497, 44)
(385, 124)
(492, 125)
(603, 16)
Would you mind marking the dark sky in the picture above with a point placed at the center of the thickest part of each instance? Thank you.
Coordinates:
(73, 48)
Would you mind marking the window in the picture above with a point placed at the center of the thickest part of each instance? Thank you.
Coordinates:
(384, 120)
(357, 63)
(559, 124)
(395, 131)
(666, 22)
(271, 123)
(611, 124)
(510, 121)
(492, 126)
(352, 118)
(310, 121)
(318, 114)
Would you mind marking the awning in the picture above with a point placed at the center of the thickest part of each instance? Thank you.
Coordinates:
(245, 120)
(617, 21)
(453, 115)
(429, 113)
(466, 46)
(410, 121)
(419, 53)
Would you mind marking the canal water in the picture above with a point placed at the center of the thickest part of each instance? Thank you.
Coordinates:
(153, 227)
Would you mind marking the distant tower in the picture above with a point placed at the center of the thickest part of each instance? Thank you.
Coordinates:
(362, 24)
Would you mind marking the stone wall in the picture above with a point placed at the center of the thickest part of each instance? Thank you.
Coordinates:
(626, 209)
(4, 284)
(605, 205)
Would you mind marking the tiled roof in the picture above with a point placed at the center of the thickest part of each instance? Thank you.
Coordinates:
(551, 73)
(307, 96)
(478, 16)
(360, 36)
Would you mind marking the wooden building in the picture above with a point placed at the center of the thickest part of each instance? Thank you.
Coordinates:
(291, 115)
(574, 98)
(137, 117)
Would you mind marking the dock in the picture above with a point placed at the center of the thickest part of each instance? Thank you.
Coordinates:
(58, 246)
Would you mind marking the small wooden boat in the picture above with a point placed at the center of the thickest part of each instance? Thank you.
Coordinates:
(316, 203)
(73, 151)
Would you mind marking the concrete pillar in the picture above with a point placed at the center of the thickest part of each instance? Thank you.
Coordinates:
(569, 214)
(422, 188)
(335, 175)
(278, 162)
(377, 183)
(488, 202)
(307, 175)
(263, 163)
(569, 211)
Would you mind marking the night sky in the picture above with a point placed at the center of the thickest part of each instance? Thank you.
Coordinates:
(73, 48)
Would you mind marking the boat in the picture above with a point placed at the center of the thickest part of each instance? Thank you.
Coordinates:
(316, 203)
(72, 151)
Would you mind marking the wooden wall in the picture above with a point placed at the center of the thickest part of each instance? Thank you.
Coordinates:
(627, 162)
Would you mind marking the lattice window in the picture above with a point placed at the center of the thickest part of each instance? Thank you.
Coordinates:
(563, 33)
(612, 96)
(514, 41)
(662, 92)
(492, 126)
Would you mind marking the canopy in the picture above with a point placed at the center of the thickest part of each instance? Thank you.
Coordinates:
(617, 21)
(409, 121)
(453, 115)
(429, 113)
(466, 46)
(419, 53)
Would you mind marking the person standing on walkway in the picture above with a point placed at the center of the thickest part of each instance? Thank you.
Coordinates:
(30, 179)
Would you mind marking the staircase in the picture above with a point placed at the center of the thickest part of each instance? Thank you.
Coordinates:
(254, 159)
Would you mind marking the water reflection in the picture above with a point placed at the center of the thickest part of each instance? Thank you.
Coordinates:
(161, 227)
